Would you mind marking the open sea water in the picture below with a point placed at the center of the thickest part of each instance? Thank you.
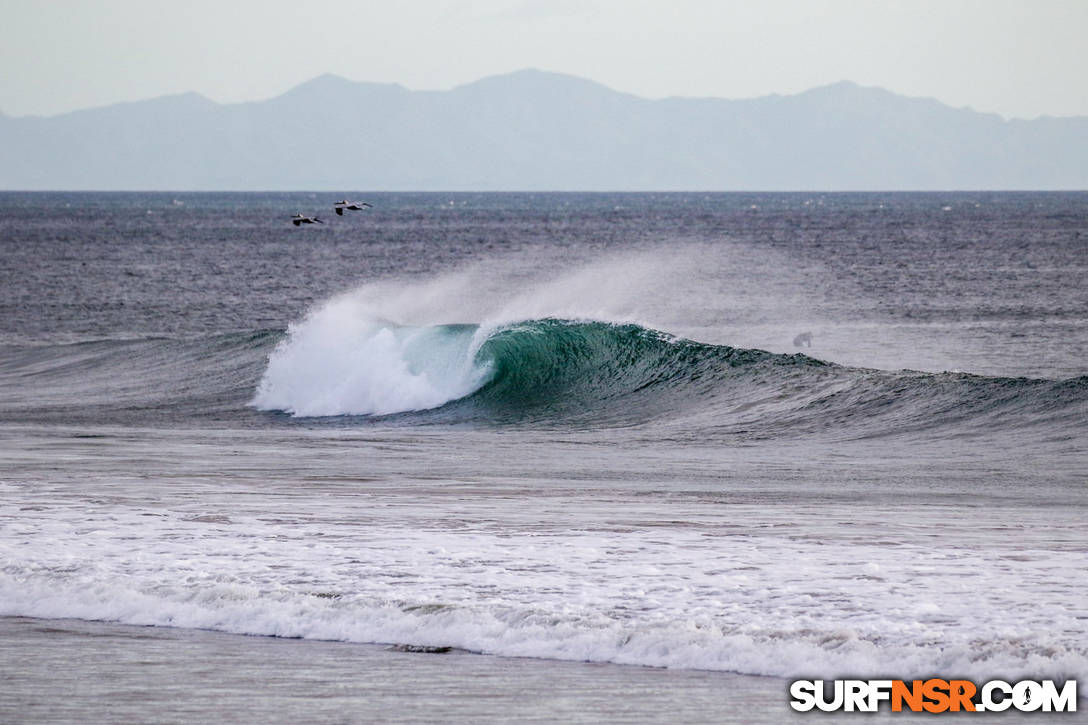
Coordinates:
(777, 435)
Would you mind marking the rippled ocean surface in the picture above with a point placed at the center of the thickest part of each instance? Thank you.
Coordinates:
(792, 435)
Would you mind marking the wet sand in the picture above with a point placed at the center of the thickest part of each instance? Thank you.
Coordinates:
(73, 671)
(70, 671)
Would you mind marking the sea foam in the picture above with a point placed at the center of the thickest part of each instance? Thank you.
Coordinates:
(342, 361)
(779, 607)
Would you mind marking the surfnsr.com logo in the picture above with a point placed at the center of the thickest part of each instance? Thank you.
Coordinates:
(933, 695)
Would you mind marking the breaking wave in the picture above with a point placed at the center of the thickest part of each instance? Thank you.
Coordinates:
(544, 372)
(593, 372)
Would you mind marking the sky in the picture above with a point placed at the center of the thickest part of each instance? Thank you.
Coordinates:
(1018, 58)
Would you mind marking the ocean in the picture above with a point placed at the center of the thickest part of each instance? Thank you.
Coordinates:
(686, 446)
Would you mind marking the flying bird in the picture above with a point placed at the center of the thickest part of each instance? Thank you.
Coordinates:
(340, 206)
(299, 219)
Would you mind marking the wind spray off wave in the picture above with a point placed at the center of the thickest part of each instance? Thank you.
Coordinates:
(383, 347)
(342, 361)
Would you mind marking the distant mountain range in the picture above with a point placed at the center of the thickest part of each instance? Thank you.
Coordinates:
(533, 130)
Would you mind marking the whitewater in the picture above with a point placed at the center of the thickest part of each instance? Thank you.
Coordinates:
(569, 427)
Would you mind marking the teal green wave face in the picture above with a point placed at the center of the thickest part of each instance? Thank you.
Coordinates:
(561, 367)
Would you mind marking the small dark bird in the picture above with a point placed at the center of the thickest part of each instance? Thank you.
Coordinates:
(340, 206)
(299, 219)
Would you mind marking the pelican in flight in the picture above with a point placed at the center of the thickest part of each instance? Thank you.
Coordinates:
(299, 219)
(340, 206)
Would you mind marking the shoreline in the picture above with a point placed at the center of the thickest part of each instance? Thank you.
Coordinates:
(64, 670)
(76, 671)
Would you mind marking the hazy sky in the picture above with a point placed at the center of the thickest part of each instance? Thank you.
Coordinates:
(1020, 58)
